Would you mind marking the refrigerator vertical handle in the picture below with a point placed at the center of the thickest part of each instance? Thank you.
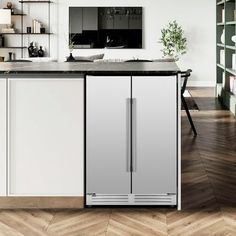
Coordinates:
(134, 135)
(128, 134)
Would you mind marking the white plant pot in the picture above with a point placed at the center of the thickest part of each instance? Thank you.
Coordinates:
(234, 39)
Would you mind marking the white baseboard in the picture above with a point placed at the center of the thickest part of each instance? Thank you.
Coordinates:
(201, 83)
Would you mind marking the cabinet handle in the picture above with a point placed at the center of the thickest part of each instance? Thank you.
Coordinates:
(128, 134)
(134, 135)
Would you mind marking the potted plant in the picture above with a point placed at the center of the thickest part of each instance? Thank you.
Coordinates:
(173, 40)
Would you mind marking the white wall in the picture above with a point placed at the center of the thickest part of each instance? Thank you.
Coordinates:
(197, 18)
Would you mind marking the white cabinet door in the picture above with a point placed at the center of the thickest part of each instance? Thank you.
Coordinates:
(2, 137)
(45, 137)
(154, 135)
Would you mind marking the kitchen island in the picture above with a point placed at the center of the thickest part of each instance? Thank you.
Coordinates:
(80, 134)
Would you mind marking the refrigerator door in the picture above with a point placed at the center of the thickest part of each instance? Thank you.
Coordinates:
(108, 109)
(154, 135)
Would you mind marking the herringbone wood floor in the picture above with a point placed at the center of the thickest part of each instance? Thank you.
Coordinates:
(208, 189)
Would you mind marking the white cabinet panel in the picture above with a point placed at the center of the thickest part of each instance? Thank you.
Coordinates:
(2, 137)
(45, 137)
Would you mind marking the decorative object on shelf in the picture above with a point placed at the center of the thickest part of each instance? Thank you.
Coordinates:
(173, 40)
(71, 48)
(36, 26)
(9, 5)
(234, 39)
(5, 16)
(234, 86)
(223, 15)
(222, 57)
(5, 19)
(28, 30)
(222, 37)
(41, 52)
(234, 61)
(234, 15)
(232, 80)
(8, 30)
(70, 58)
(33, 52)
(2, 59)
(1, 41)
(223, 79)
(10, 56)
(42, 30)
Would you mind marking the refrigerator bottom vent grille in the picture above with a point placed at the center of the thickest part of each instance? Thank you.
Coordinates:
(131, 199)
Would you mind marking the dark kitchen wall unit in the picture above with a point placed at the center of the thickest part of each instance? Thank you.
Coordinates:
(83, 19)
(105, 27)
(226, 53)
(21, 31)
(120, 18)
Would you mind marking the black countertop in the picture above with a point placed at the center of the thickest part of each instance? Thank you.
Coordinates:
(94, 68)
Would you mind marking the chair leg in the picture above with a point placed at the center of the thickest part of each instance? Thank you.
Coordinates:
(188, 114)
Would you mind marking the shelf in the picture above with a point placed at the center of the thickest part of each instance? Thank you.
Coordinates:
(220, 45)
(227, 98)
(231, 23)
(35, 2)
(231, 47)
(26, 33)
(231, 71)
(13, 47)
(221, 23)
(229, 0)
(18, 14)
(220, 3)
(221, 66)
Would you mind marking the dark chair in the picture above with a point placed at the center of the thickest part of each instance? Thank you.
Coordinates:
(186, 75)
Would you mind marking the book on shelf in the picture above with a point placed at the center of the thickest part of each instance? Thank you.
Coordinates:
(232, 84)
(234, 61)
(223, 15)
(223, 79)
(8, 31)
(36, 26)
(222, 57)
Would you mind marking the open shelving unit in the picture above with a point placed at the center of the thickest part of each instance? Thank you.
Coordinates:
(22, 32)
(225, 48)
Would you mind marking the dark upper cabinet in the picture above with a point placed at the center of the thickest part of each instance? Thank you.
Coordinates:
(106, 22)
(90, 18)
(135, 22)
(99, 27)
(76, 19)
(121, 22)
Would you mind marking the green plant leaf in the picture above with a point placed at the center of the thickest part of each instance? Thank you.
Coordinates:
(173, 40)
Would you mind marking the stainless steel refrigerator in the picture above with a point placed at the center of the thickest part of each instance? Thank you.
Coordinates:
(131, 140)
